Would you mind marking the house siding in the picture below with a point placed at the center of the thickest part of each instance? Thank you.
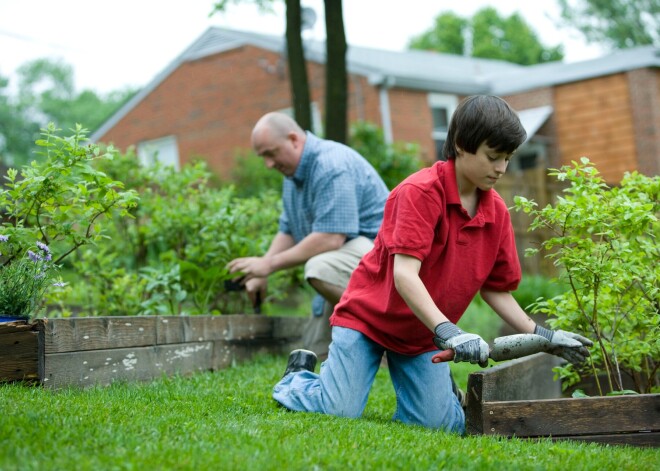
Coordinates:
(645, 101)
(595, 119)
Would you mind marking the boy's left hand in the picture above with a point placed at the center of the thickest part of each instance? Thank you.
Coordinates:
(570, 346)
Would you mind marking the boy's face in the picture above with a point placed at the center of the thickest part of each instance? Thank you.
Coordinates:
(482, 169)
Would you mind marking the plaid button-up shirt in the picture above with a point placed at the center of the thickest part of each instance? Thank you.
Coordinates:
(334, 190)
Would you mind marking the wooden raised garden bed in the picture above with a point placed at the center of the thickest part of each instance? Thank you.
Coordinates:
(519, 398)
(99, 350)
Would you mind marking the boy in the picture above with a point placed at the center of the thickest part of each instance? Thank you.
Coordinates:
(446, 235)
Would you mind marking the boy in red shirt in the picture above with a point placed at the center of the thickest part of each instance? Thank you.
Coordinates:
(446, 235)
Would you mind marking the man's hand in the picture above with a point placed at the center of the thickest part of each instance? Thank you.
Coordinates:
(256, 290)
(570, 346)
(252, 267)
(467, 347)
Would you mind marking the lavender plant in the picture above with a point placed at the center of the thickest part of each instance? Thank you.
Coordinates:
(25, 279)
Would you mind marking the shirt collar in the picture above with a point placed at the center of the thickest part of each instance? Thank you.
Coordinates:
(306, 158)
(486, 208)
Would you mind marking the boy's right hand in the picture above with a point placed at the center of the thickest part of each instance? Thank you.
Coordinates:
(467, 347)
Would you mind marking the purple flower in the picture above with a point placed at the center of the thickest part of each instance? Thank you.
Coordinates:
(59, 284)
(44, 248)
(4, 238)
(33, 256)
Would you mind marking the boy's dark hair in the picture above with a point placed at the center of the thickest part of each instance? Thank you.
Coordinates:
(480, 119)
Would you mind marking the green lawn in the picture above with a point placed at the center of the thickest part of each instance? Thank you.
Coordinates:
(227, 420)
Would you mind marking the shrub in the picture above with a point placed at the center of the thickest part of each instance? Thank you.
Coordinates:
(606, 241)
(62, 201)
(170, 257)
(393, 162)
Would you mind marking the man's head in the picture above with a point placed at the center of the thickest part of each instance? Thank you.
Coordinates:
(483, 119)
(280, 141)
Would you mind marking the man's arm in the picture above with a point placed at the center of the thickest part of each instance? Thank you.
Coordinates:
(283, 253)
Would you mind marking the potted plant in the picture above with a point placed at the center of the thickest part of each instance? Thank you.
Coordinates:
(24, 278)
(605, 242)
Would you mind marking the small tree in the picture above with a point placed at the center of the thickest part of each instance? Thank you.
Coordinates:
(607, 242)
(62, 199)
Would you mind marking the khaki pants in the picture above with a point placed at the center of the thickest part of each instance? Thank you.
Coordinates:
(334, 267)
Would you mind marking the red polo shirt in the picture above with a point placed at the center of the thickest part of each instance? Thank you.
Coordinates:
(460, 255)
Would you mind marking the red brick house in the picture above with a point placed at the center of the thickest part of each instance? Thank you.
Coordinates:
(206, 101)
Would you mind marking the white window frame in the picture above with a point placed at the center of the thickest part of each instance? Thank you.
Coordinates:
(164, 150)
(442, 101)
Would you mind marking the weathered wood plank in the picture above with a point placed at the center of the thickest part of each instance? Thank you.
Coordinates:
(179, 329)
(15, 326)
(18, 355)
(102, 367)
(288, 328)
(248, 327)
(98, 333)
(526, 378)
(572, 416)
(18, 343)
(233, 327)
(19, 368)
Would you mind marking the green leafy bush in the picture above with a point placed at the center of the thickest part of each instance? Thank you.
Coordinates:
(393, 162)
(62, 201)
(170, 257)
(606, 242)
(252, 178)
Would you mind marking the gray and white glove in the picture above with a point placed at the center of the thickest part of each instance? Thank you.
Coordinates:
(467, 347)
(570, 346)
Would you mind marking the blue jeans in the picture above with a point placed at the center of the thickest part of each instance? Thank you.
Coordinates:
(423, 389)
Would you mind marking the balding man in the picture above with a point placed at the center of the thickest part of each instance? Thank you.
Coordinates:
(333, 202)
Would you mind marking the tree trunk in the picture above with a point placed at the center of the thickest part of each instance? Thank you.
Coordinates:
(336, 81)
(297, 67)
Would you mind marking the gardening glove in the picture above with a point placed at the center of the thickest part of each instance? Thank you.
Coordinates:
(570, 346)
(467, 347)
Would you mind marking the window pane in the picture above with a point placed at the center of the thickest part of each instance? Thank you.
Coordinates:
(440, 119)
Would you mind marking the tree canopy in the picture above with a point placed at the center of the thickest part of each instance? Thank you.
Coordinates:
(487, 35)
(617, 23)
(46, 93)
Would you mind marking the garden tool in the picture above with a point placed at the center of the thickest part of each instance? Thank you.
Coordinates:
(506, 348)
(237, 285)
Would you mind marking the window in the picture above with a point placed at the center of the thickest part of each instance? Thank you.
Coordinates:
(164, 150)
(442, 107)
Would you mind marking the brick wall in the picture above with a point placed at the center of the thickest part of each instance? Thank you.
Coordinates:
(210, 105)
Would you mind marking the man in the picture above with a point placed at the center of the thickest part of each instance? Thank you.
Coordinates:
(333, 203)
